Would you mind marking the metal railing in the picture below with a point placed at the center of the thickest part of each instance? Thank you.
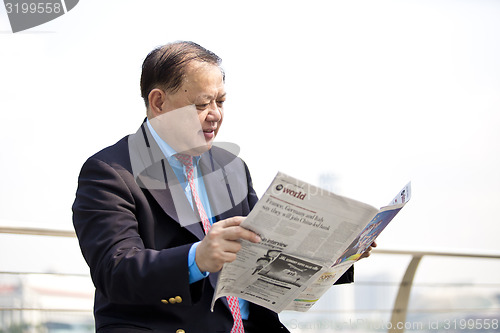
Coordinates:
(399, 311)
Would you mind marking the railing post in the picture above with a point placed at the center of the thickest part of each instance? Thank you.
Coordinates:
(398, 318)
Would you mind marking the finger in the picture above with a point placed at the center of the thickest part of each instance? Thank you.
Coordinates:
(365, 254)
(233, 221)
(374, 244)
(229, 257)
(232, 246)
(237, 233)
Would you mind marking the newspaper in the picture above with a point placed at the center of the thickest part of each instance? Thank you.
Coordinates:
(310, 237)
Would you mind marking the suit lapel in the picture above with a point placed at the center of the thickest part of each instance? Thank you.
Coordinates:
(226, 184)
(218, 192)
(155, 175)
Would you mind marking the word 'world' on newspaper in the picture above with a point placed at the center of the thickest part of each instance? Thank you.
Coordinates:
(310, 237)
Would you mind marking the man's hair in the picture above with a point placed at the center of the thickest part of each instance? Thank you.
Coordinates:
(165, 66)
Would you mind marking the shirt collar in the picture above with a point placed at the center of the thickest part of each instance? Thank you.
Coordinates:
(167, 150)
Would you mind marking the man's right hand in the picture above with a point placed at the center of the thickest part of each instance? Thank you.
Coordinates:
(221, 244)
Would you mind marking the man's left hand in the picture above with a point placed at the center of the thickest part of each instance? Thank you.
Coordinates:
(368, 251)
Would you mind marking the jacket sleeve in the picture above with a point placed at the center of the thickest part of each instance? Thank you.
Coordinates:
(121, 267)
(347, 277)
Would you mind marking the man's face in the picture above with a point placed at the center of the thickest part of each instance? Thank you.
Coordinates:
(191, 117)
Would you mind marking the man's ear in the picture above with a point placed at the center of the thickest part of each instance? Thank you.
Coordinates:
(156, 99)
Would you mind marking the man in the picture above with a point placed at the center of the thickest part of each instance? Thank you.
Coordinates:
(158, 213)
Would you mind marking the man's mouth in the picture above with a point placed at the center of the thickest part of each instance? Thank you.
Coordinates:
(209, 133)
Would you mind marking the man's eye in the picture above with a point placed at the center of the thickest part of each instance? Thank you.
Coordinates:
(220, 103)
(202, 106)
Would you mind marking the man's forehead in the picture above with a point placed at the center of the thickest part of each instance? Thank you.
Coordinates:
(196, 68)
(209, 81)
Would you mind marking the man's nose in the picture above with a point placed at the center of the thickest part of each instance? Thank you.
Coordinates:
(214, 113)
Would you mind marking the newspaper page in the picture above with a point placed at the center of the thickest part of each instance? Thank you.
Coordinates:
(305, 231)
(329, 275)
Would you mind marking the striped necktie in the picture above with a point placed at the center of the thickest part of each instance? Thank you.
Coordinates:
(234, 305)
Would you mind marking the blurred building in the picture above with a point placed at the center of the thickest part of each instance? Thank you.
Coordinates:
(44, 303)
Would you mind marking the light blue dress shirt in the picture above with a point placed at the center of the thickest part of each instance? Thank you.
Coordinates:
(179, 169)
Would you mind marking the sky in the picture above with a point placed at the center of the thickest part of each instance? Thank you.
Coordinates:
(373, 93)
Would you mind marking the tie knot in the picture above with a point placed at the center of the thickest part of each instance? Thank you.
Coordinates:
(187, 160)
